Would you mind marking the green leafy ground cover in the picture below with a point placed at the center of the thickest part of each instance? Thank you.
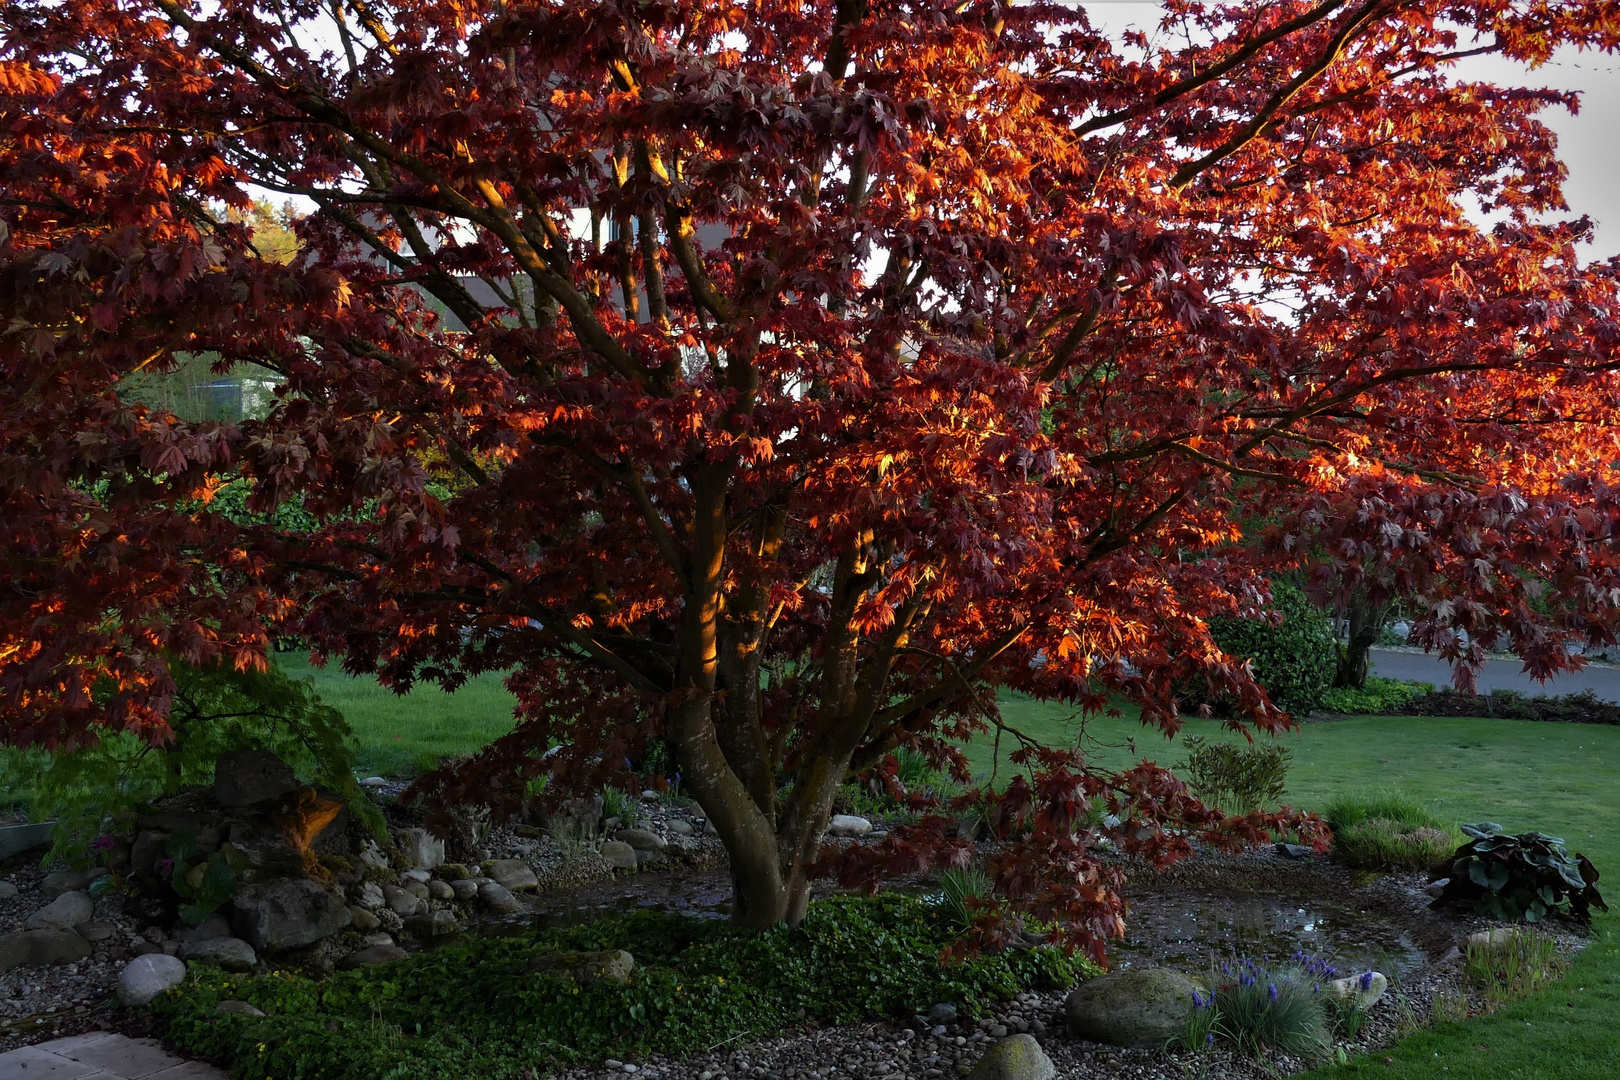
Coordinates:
(476, 1010)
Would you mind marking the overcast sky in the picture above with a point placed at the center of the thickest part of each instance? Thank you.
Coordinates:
(1589, 142)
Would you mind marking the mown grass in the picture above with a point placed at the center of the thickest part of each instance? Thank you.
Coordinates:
(403, 735)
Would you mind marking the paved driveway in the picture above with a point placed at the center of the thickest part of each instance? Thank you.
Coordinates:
(1603, 681)
(101, 1056)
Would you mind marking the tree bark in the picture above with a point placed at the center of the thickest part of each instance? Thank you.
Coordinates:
(1366, 623)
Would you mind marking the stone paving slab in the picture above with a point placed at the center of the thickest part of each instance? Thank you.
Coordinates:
(101, 1055)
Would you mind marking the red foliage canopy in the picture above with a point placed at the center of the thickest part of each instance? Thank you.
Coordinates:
(782, 378)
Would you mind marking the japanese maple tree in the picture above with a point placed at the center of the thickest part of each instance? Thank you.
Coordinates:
(784, 379)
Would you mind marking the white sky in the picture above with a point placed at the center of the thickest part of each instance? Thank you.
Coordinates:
(1589, 143)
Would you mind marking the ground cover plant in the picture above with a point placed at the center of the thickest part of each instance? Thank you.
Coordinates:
(795, 378)
(1377, 696)
(1389, 831)
(476, 1009)
(1579, 708)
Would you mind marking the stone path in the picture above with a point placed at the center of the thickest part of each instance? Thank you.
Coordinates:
(101, 1055)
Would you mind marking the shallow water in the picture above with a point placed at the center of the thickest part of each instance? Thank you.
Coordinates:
(1193, 929)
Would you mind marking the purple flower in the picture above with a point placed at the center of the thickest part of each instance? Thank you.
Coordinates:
(1271, 991)
(1209, 1038)
(1366, 980)
(1201, 1002)
(101, 843)
(165, 866)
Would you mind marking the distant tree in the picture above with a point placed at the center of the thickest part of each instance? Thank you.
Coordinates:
(930, 349)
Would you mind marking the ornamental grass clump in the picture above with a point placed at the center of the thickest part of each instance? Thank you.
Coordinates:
(1265, 1009)
(1388, 831)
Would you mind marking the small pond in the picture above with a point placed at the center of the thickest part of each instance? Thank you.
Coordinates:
(1192, 929)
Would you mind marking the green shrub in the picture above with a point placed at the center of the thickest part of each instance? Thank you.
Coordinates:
(1525, 876)
(1236, 777)
(1379, 697)
(474, 1010)
(106, 785)
(1388, 831)
(1581, 708)
(1295, 660)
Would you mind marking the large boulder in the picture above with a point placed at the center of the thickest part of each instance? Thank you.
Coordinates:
(64, 913)
(35, 947)
(64, 881)
(232, 954)
(498, 897)
(585, 968)
(619, 855)
(515, 874)
(419, 848)
(641, 839)
(287, 914)
(145, 977)
(1019, 1057)
(848, 825)
(1144, 1007)
(250, 777)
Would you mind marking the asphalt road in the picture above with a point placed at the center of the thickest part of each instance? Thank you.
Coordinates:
(1496, 675)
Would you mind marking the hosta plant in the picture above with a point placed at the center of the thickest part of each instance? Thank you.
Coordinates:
(1525, 876)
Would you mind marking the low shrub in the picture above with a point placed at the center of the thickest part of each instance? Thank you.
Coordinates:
(1525, 876)
(1237, 778)
(1388, 831)
(1581, 708)
(474, 1009)
(1295, 659)
(1379, 697)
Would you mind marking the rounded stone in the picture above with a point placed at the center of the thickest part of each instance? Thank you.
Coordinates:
(619, 855)
(145, 977)
(464, 890)
(1144, 1007)
(64, 913)
(441, 890)
(848, 825)
(498, 897)
(1017, 1058)
(232, 954)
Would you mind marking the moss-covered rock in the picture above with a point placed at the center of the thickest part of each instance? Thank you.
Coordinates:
(1145, 1007)
(1017, 1058)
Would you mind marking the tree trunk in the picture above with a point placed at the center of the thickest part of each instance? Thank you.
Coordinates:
(1366, 623)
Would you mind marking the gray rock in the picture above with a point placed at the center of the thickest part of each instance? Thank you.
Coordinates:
(641, 839)
(848, 825)
(1496, 938)
(1437, 888)
(1143, 1007)
(214, 926)
(515, 874)
(232, 954)
(237, 1008)
(96, 931)
(287, 914)
(440, 890)
(644, 856)
(70, 880)
(362, 919)
(464, 890)
(943, 1013)
(377, 937)
(34, 947)
(681, 827)
(64, 913)
(417, 889)
(1017, 1058)
(250, 777)
(372, 954)
(1365, 989)
(585, 968)
(498, 897)
(372, 856)
(7, 890)
(145, 977)
(403, 903)
(419, 848)
(619, 855)
(374, 782)
(1294, 851)
(417, 875)
(576, 819)
(370, 895)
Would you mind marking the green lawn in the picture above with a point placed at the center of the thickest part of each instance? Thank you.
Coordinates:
(406, 735)
(1560, 778)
